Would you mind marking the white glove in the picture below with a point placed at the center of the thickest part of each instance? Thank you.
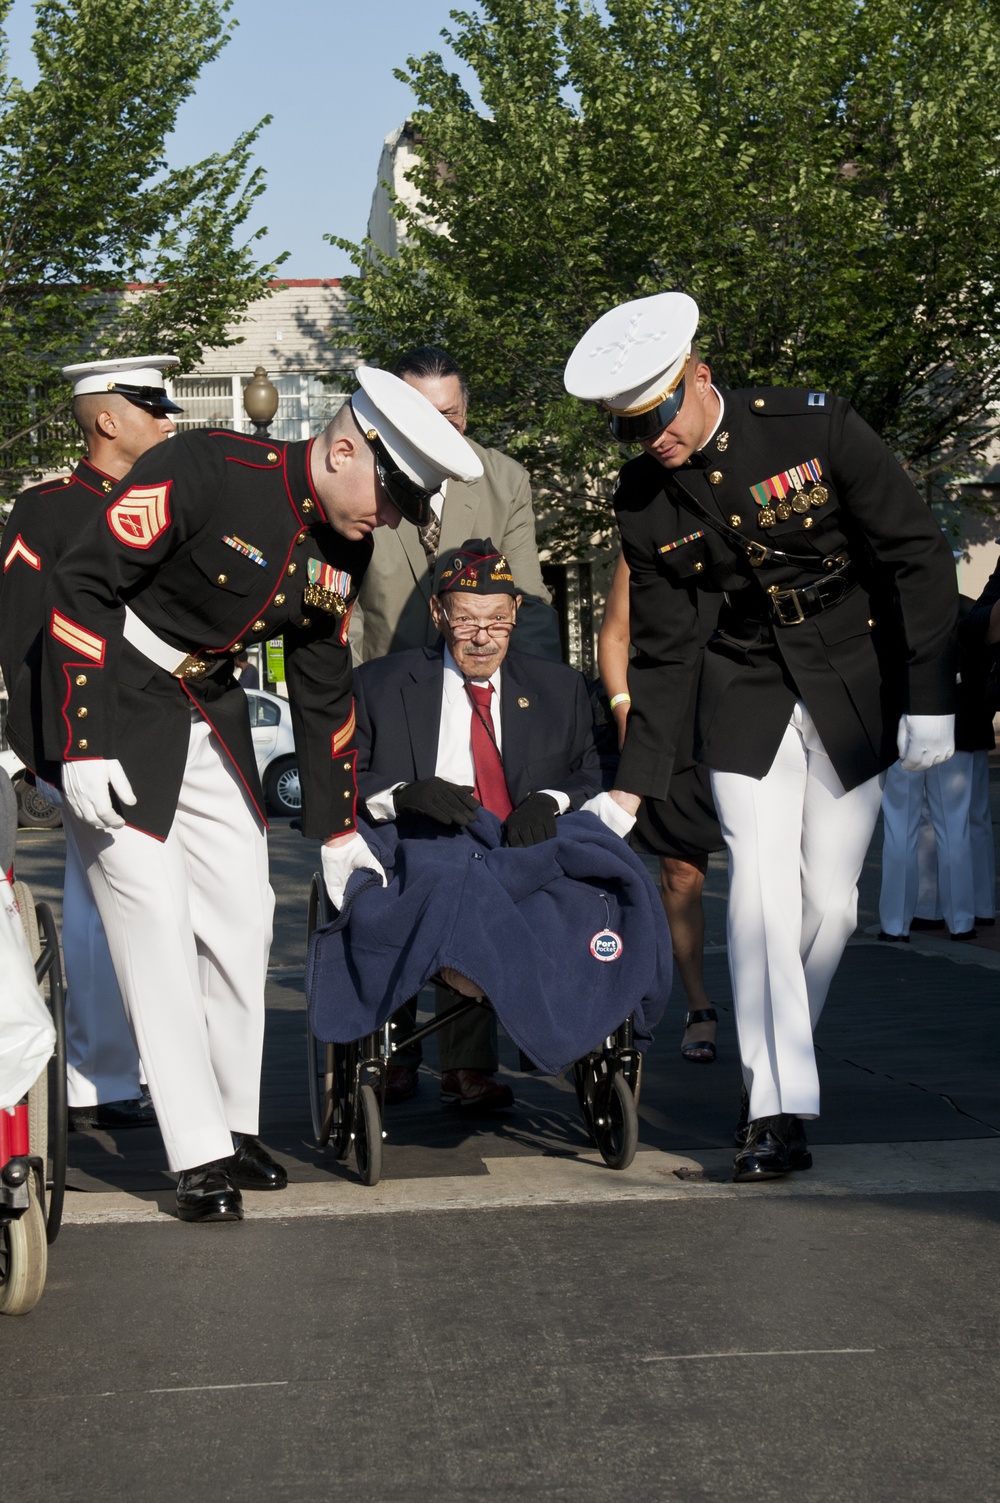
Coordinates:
(925, 740)
(86, 788)
(339, 861)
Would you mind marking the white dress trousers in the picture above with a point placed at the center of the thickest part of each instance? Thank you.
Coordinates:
(102, 1063)
(948, 790)
(797, 842)
(188, 921)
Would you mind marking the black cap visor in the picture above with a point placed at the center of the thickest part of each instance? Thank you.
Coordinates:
(632, 430)
(405, 494)
(153, 398)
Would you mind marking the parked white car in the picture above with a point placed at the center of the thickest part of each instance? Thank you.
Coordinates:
(33, 809)
(274, 746)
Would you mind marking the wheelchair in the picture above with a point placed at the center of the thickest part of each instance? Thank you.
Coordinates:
(347, 1081)
(33, 1142)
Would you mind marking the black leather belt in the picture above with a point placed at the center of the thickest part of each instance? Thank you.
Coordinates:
(792, 607)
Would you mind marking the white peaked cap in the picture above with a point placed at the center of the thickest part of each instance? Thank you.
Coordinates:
(421, 441)
(106, 375)
(631, 357)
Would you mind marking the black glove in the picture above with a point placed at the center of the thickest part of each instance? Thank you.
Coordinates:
(532, 821)
(448, 803)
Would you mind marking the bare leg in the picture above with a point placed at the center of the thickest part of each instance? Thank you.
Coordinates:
(681, 883)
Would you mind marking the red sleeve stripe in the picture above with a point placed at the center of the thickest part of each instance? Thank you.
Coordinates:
(20, 549)
(342, 737)
(70, 634)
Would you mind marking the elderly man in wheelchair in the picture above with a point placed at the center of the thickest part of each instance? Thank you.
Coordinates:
(499, 871)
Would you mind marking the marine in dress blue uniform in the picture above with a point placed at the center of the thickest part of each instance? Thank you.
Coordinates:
(122, 408)
(832, 655)
(214, 541)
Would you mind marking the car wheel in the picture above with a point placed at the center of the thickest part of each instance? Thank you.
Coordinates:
(34, 810)
(282, 788)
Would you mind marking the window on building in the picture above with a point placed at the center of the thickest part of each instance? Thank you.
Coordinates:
(305, 404)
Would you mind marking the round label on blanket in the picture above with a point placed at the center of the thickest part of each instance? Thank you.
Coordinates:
(606, 945)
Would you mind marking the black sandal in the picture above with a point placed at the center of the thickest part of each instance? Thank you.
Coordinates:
(688, 1051)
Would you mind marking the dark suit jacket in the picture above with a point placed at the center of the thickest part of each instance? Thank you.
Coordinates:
(545, 717)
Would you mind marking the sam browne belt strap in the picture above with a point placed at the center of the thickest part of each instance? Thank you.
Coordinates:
(755, 553)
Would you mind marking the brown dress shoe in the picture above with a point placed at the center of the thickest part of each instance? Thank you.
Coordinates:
(400, 1084)
(474, 1090)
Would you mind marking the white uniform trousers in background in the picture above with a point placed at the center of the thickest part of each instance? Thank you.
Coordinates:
(188, 922)
(102, 1063)
(797, 842)
(984, 866)
(948, 788)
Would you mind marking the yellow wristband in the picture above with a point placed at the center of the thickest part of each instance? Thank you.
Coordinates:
(620, 699)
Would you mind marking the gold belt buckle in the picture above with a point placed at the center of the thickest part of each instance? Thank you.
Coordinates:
(780, 598)
(191, 667)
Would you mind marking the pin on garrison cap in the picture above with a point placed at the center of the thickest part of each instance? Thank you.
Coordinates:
(416, 449)
(477, 567)
(633, 361)
(138, 378)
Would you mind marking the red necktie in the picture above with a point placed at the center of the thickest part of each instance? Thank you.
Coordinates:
(491, 785)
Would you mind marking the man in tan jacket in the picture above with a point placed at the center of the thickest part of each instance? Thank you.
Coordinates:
(393, 612)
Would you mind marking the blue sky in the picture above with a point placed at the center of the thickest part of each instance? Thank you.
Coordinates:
(324, 70)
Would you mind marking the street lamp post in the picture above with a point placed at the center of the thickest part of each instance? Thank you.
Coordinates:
(260, 401)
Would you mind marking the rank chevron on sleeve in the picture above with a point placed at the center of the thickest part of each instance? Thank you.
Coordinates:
(20, 549)
(77, 637)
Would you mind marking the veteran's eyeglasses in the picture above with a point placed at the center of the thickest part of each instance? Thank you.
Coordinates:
(463, 628)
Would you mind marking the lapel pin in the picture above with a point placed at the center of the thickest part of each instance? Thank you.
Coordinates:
(523, 703)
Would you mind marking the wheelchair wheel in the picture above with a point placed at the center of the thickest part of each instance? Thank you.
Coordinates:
(368, 1137)
(50, 971)
(616, 1122)
(584, 1079)
(48, 1107)
(322, 1092)
(24, 1257)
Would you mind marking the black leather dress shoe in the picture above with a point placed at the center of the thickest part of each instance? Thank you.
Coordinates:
(401, 1082)
(765, 1153)
(742, 1126)
(207, 1193)
(113, 1114)
(475, 1091)
(795, 1139)
(253, 1168)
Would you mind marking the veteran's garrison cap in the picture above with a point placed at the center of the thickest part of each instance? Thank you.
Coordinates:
(479, 566)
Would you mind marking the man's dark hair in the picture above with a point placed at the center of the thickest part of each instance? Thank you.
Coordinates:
(428, 360)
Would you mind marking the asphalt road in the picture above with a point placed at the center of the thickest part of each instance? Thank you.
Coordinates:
(504, 1318)
(813, 1351)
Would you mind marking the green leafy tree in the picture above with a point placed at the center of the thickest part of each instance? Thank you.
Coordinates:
(88, 207)
(821, 175)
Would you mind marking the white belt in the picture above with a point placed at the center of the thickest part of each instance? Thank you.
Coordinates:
(171, 659)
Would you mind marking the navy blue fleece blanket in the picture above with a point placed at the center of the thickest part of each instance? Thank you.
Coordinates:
(565, 938)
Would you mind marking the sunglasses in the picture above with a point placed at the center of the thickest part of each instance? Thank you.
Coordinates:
(405, 494)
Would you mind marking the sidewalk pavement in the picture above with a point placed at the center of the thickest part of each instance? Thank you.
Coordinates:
(907, 1047)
